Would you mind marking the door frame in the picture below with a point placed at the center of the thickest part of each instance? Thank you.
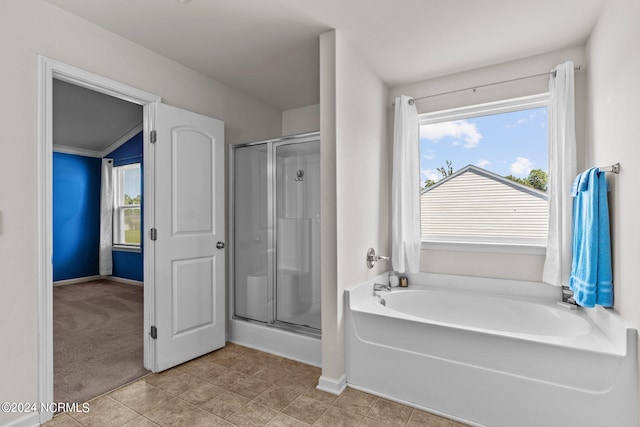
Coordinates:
(48, 69)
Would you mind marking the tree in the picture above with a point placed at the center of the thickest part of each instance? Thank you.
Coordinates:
(537, 179)
(132, 201)
(522, 181)
(445, 171)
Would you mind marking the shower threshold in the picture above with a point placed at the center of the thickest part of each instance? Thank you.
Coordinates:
(285, 326)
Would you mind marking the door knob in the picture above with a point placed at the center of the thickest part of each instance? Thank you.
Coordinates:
(220, 245)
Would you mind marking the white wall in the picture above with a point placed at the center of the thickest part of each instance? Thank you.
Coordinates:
(301, 120)
(613, 51)
(31, 27)
(355, 99)
(332, 362)
(487, 264)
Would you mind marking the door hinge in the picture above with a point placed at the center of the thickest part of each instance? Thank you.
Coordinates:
(154, 332)
(153, 234)
(153, 136)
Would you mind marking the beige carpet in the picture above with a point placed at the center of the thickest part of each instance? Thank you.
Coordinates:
(97, 338)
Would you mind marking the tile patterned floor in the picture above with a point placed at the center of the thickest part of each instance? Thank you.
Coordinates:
(238, 386)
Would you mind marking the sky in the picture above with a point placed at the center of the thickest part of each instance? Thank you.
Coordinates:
(132, 182)
(507, 144)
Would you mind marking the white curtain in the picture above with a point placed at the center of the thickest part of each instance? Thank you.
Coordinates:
(562, 171)
(405, 188)
(106, 218)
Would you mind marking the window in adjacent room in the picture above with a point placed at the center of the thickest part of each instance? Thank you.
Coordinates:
(128, 196)
(484, 172)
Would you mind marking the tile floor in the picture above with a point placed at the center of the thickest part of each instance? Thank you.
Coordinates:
(238, 386)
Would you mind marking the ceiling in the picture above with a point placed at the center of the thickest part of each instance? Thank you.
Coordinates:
(269, 49)
(91, 121)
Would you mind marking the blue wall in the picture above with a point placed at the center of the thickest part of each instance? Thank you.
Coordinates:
(128, 265)
(76, 216)
(129, 152)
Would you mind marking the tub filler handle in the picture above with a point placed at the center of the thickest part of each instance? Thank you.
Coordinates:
(372, 258)
(377, 287)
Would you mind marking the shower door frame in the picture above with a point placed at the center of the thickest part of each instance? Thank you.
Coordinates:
(272, 145)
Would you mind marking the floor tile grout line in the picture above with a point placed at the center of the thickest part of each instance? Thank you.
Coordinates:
(294, 367)
(204, 409)
(172, 395)
(254, 401)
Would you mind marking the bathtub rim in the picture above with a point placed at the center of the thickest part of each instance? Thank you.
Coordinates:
(517, 301)
(609, 335)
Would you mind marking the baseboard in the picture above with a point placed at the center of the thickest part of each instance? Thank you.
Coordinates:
(91, 278)
(125, 281)
(30, 420)
(332, 386)
(76, 280)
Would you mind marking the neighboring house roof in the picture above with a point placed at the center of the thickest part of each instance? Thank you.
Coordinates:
(477, 204)
(492, 175)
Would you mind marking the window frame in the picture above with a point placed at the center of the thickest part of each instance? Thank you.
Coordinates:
(489, 245)
(119, 208)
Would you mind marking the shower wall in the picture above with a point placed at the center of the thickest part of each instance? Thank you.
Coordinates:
(276, 197)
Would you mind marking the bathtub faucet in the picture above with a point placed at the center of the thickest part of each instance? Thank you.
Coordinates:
(377, 287)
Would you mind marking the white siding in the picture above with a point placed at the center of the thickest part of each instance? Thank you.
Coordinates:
(477, 207)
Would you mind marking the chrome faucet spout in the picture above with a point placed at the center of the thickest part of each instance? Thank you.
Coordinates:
(377, 287)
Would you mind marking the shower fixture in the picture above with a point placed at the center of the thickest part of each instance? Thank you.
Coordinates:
(299, 175)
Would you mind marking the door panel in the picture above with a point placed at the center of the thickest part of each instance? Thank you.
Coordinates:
(193, 155)
(189, 218)
(194, 303)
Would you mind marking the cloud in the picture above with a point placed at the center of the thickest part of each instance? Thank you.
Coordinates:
(522, 166)
(428, 154)
(455, 129)
(534, 114)
(429, 174)
(483, 163)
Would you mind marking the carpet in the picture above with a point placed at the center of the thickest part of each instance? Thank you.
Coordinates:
(97, 338)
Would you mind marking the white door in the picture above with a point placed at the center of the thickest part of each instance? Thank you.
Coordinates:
(189, 268)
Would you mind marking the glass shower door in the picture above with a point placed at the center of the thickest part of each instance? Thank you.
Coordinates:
(297, 222)
(253, 290)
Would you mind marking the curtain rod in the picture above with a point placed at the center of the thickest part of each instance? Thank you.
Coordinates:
(411, 101)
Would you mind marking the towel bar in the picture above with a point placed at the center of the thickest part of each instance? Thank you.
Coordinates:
(615, 168)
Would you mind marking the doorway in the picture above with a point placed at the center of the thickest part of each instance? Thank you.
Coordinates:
(183, 235)
(97, 251)
(50, 71)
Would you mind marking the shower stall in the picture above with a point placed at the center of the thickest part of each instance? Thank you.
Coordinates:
(275, 236)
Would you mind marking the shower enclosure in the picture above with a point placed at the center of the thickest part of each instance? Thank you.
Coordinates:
(275, 199)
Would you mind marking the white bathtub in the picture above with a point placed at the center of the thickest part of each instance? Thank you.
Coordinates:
(489, 360)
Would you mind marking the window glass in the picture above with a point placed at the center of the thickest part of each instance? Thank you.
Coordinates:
(484, 173)
(128, 198)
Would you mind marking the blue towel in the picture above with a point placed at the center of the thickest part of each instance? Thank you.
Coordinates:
(591, 278)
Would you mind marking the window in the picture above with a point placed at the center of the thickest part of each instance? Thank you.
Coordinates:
(126, 216)
(484, 172)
